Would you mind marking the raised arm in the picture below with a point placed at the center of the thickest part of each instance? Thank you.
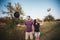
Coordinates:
(41, 23)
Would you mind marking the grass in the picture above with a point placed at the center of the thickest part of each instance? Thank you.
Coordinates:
(49, 31)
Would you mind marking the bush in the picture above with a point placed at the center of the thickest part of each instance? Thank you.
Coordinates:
(12, 34)
(49, 18)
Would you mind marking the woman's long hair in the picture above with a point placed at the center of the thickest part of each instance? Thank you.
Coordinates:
(34, 21)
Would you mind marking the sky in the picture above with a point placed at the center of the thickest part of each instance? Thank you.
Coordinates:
(35, 8)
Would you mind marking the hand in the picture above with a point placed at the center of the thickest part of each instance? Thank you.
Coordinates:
(18, 25)
(32, 32)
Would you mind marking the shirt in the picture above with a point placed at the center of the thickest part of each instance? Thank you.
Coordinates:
(29, 26)
(36, 26)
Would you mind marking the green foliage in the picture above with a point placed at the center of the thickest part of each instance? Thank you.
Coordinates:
(49, 18)
(22, 21)
(16, 21)
(4, 20)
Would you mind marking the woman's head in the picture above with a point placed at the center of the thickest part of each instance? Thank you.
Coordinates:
(36, 21)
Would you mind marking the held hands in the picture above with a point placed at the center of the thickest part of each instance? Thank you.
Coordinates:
(18, 25)
(32, 32)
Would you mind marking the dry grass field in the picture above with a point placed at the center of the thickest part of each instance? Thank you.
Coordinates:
(49, 31)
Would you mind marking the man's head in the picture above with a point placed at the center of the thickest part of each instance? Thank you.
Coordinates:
(28, 17)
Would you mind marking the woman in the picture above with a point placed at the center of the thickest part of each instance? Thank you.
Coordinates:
(36, 29)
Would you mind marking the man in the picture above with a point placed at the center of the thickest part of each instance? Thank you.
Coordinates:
(29, 27)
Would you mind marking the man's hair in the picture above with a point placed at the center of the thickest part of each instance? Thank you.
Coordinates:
(28, 16)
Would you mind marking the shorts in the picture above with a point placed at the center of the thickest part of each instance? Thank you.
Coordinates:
(29, 34)
(37, 33)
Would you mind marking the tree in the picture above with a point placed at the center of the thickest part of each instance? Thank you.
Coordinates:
(49, 18)
(12, 10)
(57, 20)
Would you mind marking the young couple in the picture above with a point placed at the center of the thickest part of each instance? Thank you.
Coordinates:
(32, 27)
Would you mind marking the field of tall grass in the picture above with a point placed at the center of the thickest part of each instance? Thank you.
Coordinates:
(49, 31)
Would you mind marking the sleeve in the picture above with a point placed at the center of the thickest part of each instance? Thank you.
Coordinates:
(32, 23)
